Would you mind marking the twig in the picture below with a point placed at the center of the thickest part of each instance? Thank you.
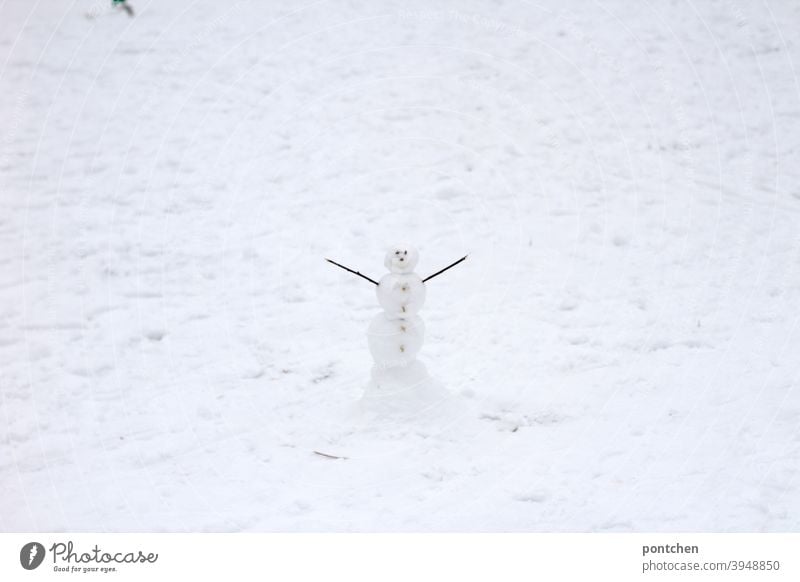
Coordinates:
(327, 456)
(443, 270)
(352, 271)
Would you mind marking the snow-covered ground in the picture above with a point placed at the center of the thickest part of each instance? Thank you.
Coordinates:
(621, 347)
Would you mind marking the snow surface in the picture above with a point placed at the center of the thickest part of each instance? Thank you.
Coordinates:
(621, 347)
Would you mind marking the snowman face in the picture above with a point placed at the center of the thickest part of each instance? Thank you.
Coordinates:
(401, 259)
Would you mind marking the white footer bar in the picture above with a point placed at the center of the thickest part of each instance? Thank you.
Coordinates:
(406, 557)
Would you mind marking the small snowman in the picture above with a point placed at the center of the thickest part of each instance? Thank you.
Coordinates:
(395, 336)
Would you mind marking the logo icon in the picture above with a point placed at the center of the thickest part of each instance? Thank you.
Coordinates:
(31, 555)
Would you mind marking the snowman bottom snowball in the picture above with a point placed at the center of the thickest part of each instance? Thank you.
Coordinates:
(395, 341)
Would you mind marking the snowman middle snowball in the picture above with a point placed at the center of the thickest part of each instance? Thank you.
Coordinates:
(395, 336)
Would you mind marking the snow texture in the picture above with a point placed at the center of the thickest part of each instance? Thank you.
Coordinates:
(619, 353)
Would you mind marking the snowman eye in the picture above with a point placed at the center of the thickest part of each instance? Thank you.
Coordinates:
(397, 252)
(405, 252)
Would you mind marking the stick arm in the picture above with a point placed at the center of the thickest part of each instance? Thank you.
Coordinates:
(374, 282)
(464, 258)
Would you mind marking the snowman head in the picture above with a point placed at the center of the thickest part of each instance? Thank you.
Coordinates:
(401, 259)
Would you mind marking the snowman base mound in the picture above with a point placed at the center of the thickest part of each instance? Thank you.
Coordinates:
(406, 389)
